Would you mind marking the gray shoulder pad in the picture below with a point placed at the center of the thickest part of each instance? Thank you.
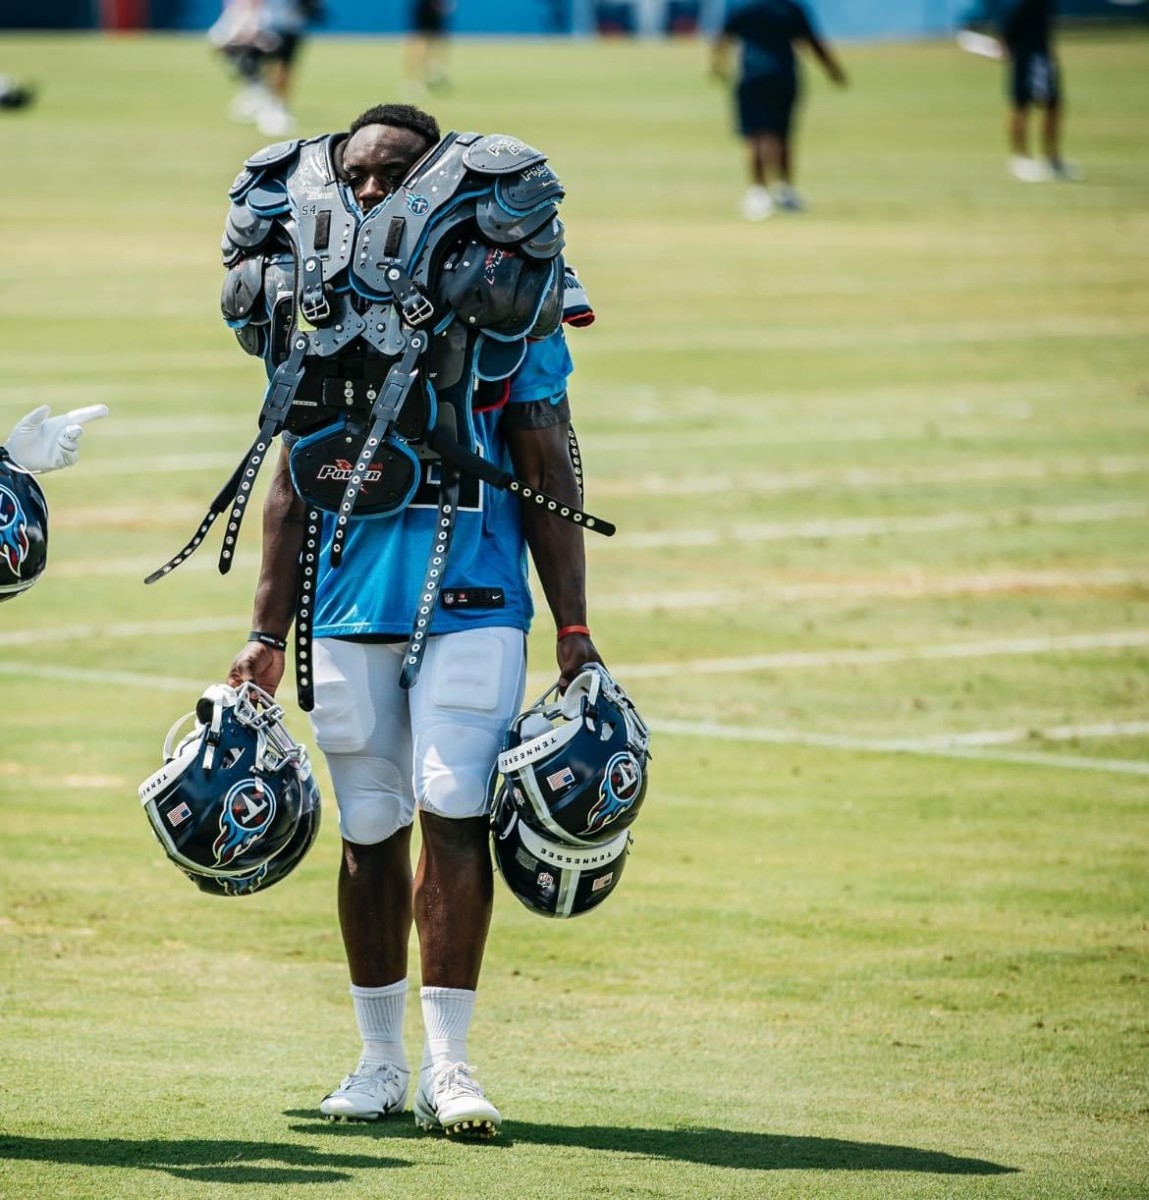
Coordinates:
(268, 198)
(245, 228)
(242, 288)
(546, 242)
(274, 155)
(530, 189)
(501, 154)
(506, 227)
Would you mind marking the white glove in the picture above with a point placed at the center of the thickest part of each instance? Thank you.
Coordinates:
(40, 443)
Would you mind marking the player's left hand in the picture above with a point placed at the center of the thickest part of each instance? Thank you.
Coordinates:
(573, 653)
(42, 443)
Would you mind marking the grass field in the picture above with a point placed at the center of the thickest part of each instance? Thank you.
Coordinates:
(881, 589)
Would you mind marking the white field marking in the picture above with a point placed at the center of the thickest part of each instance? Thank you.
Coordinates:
(871, 337)
(124, 629)
(786, 737)
(149, 683)
(166, 464)
(788, 660)
(204, 560)
(854, 527)
(893, 587)
(1051, 733)
(858, 478)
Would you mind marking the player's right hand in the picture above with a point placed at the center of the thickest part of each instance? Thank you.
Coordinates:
(262, 665)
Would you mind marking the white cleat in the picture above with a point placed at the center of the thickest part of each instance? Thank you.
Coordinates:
(757, 204)
(371, 1091)
(451, 1100)
(274, 120)
(1029, 170)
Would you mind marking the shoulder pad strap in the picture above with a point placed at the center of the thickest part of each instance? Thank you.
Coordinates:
(501, 154)
(271, 156)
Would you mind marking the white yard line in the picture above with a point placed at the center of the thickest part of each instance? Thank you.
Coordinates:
(904, 587)
(856, 527)
(709, 483)
(927, 747)
(786, 660)
(135, 679)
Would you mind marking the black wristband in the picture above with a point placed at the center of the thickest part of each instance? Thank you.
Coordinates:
(267, 639)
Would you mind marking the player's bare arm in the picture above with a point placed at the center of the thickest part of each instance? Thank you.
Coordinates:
(542, 459)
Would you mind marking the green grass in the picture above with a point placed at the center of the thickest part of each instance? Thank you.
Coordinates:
(834, 968)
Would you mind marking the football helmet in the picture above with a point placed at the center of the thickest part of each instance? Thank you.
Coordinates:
(234, 806)
(575, 764)
(552, 878)
(23, 528)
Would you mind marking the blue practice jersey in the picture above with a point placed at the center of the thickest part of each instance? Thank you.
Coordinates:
(768, 30)
(376, 589)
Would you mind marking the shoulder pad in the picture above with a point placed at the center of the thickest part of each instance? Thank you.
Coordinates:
(268, 198)
(545, 242)
(504, 226)
(241, 184)
(271, 156)
(242, 288)
(500, 154)
(245, 228)
(530, 189)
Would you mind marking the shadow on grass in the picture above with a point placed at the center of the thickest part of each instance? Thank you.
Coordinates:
(707, 1147)
(216, 1161)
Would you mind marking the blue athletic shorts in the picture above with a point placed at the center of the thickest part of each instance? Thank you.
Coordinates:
(765, 104)
(1034, 79)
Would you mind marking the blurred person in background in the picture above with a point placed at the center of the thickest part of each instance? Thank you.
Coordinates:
(766, 93)
(1033, 81)
(425, 54)
(262, 40)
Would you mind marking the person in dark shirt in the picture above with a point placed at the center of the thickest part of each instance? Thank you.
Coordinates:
(1033, 81)
(766, 92)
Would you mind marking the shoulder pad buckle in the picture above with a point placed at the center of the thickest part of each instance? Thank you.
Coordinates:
(500, 154)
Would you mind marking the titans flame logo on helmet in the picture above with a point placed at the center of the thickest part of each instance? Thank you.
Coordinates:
(247, 811)
(13, 531)
(621, 783)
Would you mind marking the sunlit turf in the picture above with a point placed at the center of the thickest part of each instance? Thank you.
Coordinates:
(895, 450)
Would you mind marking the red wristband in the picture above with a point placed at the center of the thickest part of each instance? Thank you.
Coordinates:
(567, 630)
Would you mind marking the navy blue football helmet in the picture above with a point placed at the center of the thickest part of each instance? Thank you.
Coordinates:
(234, 806)
(575, 764)
(565, 790)
(549, 877)
(23, 529)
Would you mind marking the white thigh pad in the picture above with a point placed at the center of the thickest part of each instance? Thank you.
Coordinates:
(460, 713)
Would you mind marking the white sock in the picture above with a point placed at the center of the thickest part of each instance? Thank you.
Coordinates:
(447, 1016)
(379, 1014)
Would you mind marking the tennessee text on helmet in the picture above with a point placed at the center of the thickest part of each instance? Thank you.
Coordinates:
(234, 806)
(23, 528)
(550, 877)
(575, 765)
